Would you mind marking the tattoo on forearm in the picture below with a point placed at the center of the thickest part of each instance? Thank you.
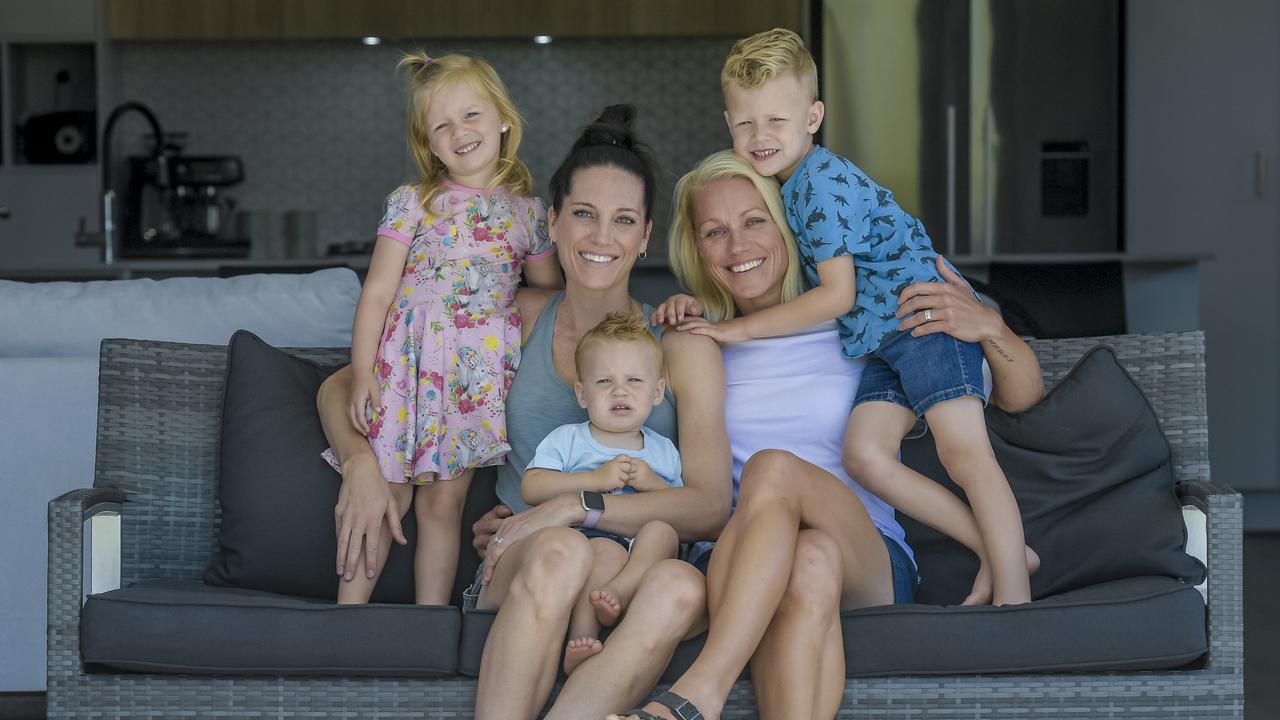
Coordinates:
(1000, 351)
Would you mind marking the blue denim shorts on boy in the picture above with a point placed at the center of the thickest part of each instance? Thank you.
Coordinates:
(920, 372)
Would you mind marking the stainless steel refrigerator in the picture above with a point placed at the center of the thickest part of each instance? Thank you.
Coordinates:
(997, 122)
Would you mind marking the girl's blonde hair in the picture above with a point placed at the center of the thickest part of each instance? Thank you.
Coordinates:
(682, 241)
(426, 76)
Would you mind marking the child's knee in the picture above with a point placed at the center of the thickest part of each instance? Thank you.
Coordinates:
(660, 535)
(437, 504)
(866, 461)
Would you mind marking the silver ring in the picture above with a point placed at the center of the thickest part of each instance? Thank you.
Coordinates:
(497, 540)
(928, 315)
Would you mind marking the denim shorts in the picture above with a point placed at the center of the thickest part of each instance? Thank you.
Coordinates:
(905, 576)
(920, 372)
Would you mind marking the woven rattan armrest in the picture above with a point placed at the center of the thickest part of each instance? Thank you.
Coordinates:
(67, 515)
(1224, 512)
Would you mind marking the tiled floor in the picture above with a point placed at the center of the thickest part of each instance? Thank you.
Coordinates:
(1262, 639)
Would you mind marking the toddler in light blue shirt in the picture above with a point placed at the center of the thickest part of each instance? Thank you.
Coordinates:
(619, 364)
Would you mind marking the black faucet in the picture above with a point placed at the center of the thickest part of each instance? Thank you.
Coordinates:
(108, 192)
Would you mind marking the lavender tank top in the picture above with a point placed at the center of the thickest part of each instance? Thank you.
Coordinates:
(796, 393)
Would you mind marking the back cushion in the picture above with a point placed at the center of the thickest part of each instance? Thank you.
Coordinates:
(277, 493)
(1092, 474)
(69, 319)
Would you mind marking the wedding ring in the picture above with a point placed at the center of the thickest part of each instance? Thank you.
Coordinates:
(497, 541)
(928, 315)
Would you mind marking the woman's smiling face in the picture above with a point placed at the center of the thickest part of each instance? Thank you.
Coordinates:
(740, 243)
(601, 228)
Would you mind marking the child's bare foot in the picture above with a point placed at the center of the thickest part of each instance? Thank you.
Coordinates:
(580, 649)
(983, 590)
(607, 606)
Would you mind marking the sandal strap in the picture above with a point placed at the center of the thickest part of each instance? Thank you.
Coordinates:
(642, 714)
(682, 708)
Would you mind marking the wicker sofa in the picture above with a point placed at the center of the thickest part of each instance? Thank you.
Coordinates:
(156, 466)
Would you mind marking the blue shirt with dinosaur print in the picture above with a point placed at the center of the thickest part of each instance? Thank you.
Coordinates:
(834, 209)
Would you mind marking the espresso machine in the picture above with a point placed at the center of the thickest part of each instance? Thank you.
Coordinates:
(177, 206)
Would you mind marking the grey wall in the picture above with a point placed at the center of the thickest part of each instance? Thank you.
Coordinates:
(1202, 98)
(320, 125)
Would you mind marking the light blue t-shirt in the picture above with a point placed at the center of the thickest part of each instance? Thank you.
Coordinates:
(571, 448)
(834, 209)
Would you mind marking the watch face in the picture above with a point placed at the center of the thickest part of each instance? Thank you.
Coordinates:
(593, 501)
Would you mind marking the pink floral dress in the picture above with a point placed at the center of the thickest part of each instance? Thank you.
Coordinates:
(451, 342)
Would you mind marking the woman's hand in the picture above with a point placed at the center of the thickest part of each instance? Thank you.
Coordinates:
(675, 309)
(486, 527)
(366, 397)
(948, 307)
(363, 502)
(562, 510)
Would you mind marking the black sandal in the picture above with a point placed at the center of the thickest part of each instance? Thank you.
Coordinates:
(680, 707)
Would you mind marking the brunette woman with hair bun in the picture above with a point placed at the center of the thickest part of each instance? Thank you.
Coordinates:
(535, 562)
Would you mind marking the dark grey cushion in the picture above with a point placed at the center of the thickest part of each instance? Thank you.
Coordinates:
(276, 491)
(1091, 471)
(278, 494)
(1135, 624)
(171, 626)
(1146, 623)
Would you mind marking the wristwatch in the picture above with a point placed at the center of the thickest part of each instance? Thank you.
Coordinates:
(593, 503)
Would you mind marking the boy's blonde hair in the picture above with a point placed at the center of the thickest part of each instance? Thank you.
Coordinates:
(618, 327)
(426, 76)
(682, 239)
(766, 55)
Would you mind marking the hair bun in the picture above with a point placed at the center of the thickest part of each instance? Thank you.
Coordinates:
(613, 127)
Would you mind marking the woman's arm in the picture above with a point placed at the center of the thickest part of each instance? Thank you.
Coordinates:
(834, 296)
(539, 485)
(364, 499)
(1015, 372)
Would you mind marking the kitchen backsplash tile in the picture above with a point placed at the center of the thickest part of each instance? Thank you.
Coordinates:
(320, 125)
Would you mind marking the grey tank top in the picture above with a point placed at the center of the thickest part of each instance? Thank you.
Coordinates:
(539, 402)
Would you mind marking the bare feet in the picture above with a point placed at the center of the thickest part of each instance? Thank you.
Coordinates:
(984, 585)
(580, 649)
(606, 605)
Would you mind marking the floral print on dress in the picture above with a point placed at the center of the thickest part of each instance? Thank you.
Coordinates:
(451, 343)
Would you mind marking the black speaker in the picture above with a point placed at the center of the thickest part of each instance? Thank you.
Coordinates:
(60, 137)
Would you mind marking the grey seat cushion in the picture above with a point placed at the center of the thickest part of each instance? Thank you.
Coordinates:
(1147, 623)
(171, 626)
(1144, 623)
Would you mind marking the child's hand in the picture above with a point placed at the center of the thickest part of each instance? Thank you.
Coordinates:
(614, 474)
(644, 479)
(675, 309)
(365, 395)
(725, 331)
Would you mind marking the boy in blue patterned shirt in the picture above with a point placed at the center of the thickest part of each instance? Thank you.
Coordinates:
(859, 251)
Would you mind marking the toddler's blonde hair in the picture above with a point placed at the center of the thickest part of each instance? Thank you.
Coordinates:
(426, 76)
(682, 239)
(757, 59)
(618, 327)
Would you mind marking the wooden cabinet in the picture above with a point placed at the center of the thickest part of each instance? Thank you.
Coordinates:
(318, 19)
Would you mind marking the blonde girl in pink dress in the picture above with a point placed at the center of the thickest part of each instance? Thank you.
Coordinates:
(436, 337)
